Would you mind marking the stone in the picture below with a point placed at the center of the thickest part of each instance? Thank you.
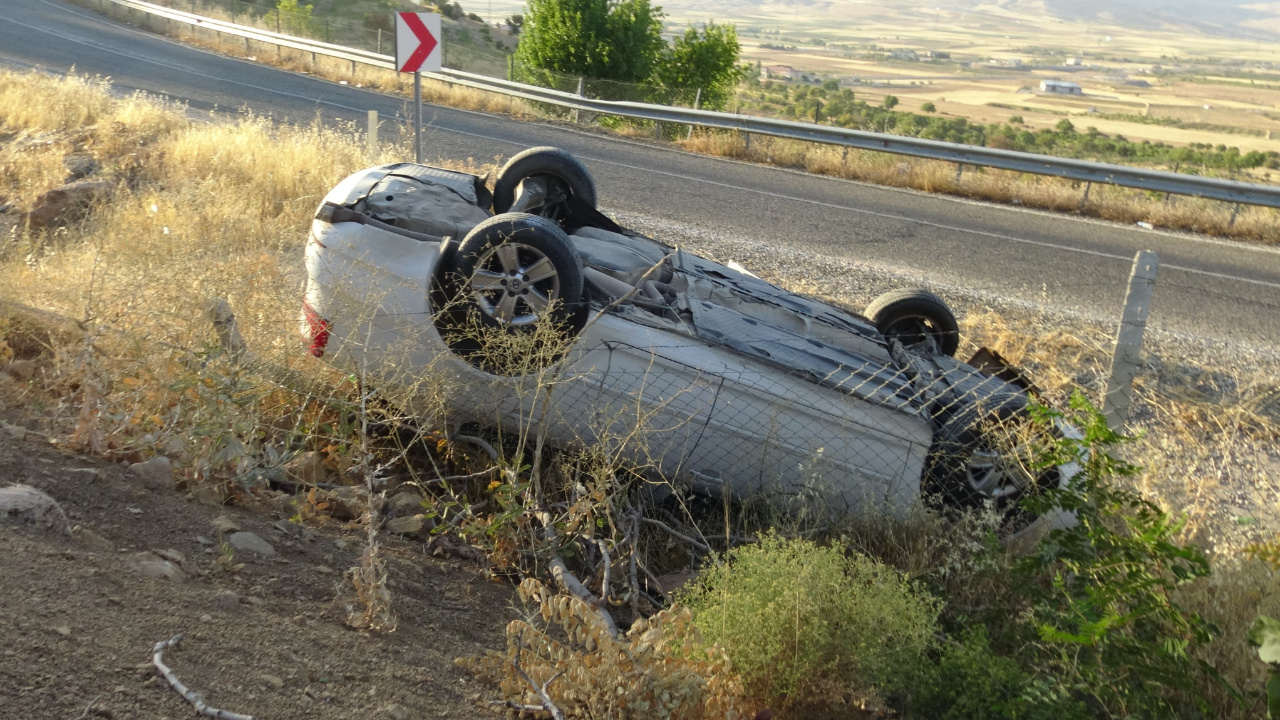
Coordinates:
(271, 680)
(93, 541)
(63, 630)
(248, 542)
(22, 370)
(87, 474)
(407, 525)
(204, 541)
(396, 712)
(226, 600)
(155, 474)
(152, 566)
(17, 432)
(62, 204)
(172, 555)
(345, 503)
(175, 448)
(406, 503)
(307, 469)
(208, 495)
(80, 165)
(223, 524)
(25, 505)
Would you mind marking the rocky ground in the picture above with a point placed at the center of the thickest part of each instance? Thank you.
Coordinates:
(80, 613)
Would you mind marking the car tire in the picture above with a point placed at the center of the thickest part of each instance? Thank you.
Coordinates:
(913, 317)
(512, 269)
(557, 163)
(979, 457)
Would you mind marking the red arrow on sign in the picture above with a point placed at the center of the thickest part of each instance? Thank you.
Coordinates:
(426, 42)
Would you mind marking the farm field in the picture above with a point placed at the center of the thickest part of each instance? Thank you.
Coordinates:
(1210, 75)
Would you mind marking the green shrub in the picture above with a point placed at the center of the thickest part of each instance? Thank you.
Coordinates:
(815, 622)
(970, 682)
(1101, 593)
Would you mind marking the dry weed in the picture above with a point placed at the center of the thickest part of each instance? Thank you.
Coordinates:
(656, 670)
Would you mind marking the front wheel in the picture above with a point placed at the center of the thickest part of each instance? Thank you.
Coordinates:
(562, 177)
(915, 317)
(984, 454)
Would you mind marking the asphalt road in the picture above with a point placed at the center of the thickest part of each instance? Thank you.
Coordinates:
(1220, 291)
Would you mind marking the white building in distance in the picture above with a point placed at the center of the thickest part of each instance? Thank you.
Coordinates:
(1060, 87)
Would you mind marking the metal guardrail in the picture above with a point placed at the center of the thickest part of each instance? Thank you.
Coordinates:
(1081, 170)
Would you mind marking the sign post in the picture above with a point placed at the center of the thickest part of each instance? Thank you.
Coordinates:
(418, 49)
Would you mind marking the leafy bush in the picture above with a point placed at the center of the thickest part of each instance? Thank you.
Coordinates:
(1101, 593)
(970, 682)
(802, 620)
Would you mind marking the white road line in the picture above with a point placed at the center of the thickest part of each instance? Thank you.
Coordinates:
(729, 186)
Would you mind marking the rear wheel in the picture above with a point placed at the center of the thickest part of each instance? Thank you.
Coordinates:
(562, 177)
(514, 275)
(517, 269)
(915, 317)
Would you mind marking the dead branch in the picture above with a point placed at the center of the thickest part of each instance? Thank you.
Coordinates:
(571, 585)
(604, 583)
(478, 442)
(87, 708)
(633, 534)
(157, 654)
(472, 476)
(541, 691)
(679, 535)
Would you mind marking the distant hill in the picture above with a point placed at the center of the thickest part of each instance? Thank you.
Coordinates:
(1230, 18)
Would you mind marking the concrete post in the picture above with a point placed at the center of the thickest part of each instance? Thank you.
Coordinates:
(1133, 324)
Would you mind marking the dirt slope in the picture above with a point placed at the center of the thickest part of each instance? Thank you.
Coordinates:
(78, 616)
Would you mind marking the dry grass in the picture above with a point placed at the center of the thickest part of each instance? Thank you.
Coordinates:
(209, 210)
(1106, 202)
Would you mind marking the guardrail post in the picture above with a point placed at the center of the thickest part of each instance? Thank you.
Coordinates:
(379, 51)
(959, 172)
(1133, 324)
(417, 117)
(246, 46)
(1085, 200)
(1234, 212)
(373, 137)
(697, 103)
(579, 94)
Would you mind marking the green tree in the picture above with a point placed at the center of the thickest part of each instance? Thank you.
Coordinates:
(890, 102)
(929, 107)
(295, 19)
(596, 38)
(1064, 126)
(635, 40)
(706, 59)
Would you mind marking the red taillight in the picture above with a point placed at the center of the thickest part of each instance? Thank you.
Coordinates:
(318, 328)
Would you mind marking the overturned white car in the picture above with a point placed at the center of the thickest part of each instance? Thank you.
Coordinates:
(698, 372)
